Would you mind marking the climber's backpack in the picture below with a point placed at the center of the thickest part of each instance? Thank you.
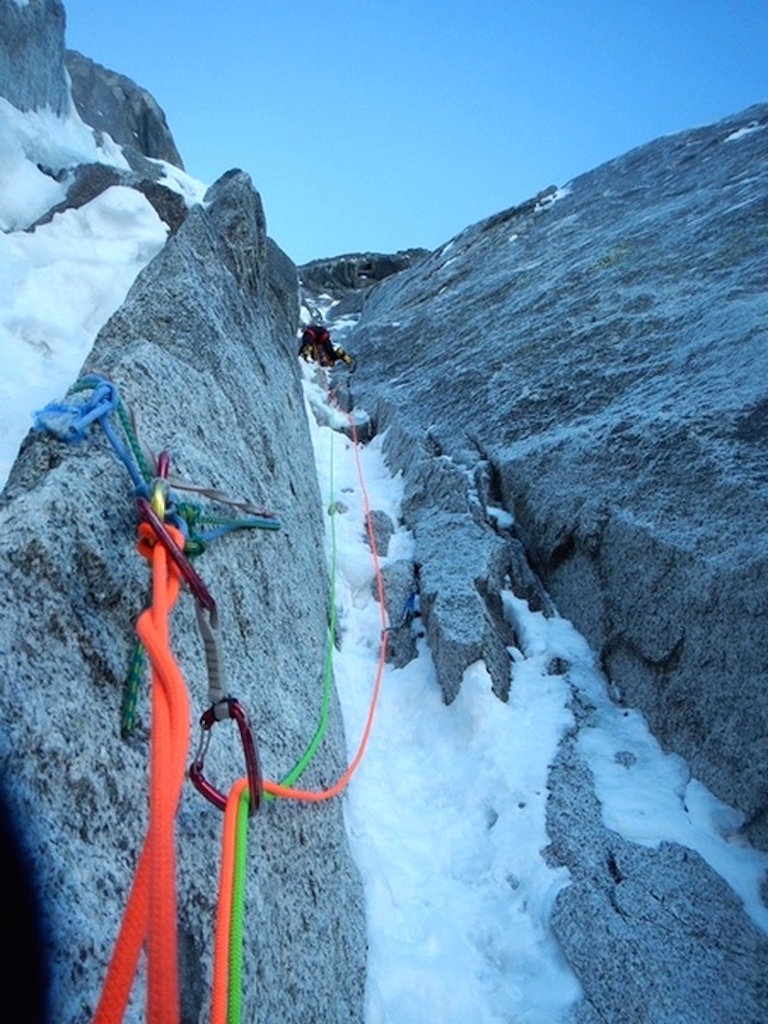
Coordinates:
(320, 335)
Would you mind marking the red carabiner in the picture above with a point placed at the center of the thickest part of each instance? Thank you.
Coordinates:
(207, 720)
(187, 570)
(163, 465)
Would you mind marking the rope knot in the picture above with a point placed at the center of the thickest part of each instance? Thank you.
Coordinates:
(148, 540)
(69, 420)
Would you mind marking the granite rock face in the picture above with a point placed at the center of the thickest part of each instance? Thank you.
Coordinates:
(654, 935)
(574, 391)
(594, 363)
(115, 104)
(203, 352)
(32, 73)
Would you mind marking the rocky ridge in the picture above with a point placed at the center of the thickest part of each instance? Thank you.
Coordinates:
(348, 277)
(35, 74)
(113, 103)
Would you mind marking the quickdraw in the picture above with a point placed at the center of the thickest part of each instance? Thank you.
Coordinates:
(185, 567)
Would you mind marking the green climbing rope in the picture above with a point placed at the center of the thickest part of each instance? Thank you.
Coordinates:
(235, 986)
(131, 689)
(138, 453)
(301, 765)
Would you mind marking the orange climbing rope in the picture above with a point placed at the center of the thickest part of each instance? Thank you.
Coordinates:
(220, 998)
(151, 909)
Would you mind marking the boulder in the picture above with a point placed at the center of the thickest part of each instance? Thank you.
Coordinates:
(202, 351)
(112, 103)
(90, 180)
(32, 75)
(593, 363)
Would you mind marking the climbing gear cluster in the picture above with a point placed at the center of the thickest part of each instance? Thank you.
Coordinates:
(170, 533)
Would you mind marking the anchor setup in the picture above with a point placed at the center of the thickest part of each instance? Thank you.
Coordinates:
(170, 532)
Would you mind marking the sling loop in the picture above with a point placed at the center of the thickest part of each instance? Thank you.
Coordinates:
(208, 627)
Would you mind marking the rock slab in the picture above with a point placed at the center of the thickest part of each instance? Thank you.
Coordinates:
(594, 363)
(654, 935)
(32, 75)
(115, 104)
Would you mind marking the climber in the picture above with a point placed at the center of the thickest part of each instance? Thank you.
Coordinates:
(316, 345)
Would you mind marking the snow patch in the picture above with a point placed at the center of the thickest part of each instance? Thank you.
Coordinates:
(38, 149)
(741, 133)
(58, 287)
(549, 200)
(504, 520)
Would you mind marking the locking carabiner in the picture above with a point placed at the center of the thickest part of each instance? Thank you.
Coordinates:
(227, 708)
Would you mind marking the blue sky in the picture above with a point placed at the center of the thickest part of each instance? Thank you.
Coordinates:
(373, 125)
